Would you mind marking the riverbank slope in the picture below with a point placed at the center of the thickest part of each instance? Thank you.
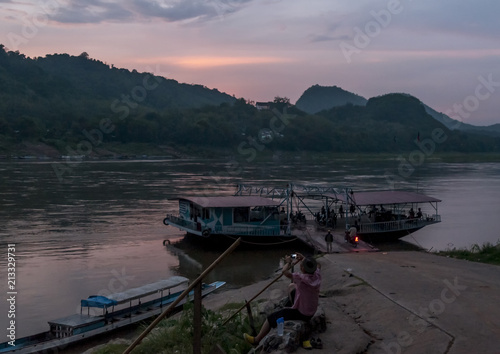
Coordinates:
(399, 302)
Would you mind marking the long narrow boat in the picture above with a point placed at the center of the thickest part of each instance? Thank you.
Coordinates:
(262, 213)
(128, 307)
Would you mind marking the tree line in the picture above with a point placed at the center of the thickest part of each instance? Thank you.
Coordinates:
(58, 98)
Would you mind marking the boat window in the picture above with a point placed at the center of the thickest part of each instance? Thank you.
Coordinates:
(205, 213)
(257, 214)
(241, 214)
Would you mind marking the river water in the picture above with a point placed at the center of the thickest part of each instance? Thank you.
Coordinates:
(96, 227)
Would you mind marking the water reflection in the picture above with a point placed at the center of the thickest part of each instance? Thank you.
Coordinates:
(104, 221)
(247, 264)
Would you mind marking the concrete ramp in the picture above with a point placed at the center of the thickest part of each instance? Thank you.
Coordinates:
(315, 237)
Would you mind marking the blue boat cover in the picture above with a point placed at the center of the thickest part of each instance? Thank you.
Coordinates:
(131, 294)
(98, 301)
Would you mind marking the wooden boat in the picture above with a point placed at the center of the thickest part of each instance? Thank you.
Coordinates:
(263, 213)
(132, 306)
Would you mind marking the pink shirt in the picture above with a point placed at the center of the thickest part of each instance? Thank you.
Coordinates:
(307, 293)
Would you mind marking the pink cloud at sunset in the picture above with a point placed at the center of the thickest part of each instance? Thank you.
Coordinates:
(205, 62)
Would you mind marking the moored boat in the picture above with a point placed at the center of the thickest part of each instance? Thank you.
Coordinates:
(261, 213)
(105, 314)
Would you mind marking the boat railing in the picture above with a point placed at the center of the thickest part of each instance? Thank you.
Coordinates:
(237, 230)
(395, 225)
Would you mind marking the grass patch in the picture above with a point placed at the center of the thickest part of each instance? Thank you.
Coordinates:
(487, 253)
(175, 335)
(231, 306)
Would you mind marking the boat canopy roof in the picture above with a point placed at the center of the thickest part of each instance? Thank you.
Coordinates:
(385, 197)
(135, 293)
(231, 201)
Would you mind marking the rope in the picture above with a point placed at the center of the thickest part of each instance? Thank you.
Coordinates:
(418, 243)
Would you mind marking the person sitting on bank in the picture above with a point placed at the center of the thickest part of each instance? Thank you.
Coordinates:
(306, 284)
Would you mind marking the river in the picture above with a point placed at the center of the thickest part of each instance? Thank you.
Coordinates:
(96, 227)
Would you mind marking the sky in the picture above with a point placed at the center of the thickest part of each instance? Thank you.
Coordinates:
(444, 52)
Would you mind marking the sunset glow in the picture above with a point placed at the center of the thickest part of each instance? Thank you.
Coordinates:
(211, 62)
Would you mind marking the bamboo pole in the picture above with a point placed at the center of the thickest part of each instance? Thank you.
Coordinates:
(250, 318)
(182, 296)
(256, 295)
(197, 320)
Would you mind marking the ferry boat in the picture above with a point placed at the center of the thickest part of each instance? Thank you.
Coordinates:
(264, 213)
(127, 308)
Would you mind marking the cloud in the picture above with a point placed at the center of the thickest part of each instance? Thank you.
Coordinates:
(92, 11)
(179, 10)
(458, 16)
(326, 38)
(98, 11)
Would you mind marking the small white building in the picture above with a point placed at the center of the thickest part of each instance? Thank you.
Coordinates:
(263, 106)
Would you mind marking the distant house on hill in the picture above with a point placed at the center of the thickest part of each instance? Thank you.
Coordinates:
(262, 106)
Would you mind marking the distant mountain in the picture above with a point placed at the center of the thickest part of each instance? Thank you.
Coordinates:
(318, 98)
(388, 123)
(453, 124)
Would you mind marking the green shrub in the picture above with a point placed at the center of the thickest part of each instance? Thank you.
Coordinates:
(175, 335)
(487, 253)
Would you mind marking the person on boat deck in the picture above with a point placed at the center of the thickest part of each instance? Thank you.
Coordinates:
(341, 211)
(306, 284)
(419, 213)
(412, 213)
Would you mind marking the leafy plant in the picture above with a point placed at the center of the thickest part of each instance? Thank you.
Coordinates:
(175, 335)
(487, 253)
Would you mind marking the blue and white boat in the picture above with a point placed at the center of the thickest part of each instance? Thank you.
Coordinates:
(228, 215)
(103, 314)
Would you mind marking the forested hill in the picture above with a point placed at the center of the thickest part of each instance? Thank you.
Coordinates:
(318, 98)
(95, 80)
(61, 92)
(70, 104)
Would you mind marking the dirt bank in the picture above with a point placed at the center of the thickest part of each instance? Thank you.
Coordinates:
(397, 302)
